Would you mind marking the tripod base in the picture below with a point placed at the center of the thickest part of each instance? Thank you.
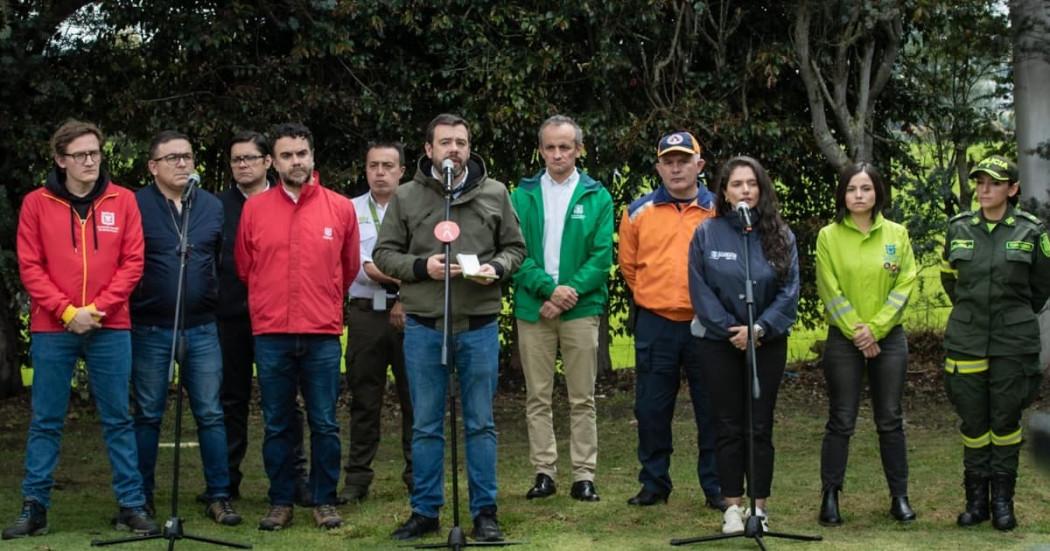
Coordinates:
(753, 530)
(172, 531)
(458, 540)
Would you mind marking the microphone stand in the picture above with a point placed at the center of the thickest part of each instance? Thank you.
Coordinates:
(172, 529)
(753, 525)
(457, 539)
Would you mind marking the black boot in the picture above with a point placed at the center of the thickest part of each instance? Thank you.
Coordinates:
(976, 512)
(1003, 501)
(829, 507)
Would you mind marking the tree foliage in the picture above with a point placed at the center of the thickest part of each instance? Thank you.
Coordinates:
(356, 71)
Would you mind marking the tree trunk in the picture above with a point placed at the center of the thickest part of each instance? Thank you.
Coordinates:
(1030, 20)
(10, 344)
(605, 370)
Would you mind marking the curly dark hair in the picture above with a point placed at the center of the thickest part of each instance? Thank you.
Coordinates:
(772, 229)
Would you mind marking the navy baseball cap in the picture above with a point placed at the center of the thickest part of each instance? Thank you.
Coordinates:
(678, 141)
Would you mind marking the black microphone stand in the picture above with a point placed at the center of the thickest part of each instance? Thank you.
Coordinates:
(172, 529)
(753, 526)
(457, 539)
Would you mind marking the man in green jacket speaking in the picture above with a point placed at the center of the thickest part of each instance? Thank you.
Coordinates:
(559, 293)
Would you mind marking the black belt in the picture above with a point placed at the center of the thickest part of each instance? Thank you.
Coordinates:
(366, 303)
(473, 322)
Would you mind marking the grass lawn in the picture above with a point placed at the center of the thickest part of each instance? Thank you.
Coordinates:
(83, 502)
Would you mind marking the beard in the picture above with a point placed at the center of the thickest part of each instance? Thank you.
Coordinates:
(296, 177)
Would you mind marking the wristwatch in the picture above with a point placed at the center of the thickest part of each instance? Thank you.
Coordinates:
(759, 332)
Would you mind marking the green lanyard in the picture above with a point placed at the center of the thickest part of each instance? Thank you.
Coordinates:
(372, 209)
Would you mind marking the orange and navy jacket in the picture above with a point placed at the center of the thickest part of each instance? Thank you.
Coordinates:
(98, 263)
(654, 250)
(297, 259)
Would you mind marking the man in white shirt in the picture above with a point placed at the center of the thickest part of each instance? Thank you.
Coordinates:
(560, 293)
(375, 336)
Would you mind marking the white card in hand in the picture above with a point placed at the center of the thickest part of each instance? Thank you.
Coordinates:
(468, 263)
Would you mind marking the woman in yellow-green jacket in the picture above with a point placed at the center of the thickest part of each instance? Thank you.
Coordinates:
(865, 274)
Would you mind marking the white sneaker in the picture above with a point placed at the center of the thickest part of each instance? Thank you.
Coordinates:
(733, 520)
(761, 514)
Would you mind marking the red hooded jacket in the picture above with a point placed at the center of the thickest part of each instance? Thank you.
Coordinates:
(67, 261)
(297, 259)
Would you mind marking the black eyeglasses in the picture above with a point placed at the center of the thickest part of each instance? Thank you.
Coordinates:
(81, 157)
(174, 158)
(247, 159)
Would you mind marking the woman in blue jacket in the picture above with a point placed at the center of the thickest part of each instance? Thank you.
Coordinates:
(716, 289)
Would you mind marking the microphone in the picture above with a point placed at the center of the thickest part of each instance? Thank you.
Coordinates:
(192, 181)
(745, 214)
(446, 168)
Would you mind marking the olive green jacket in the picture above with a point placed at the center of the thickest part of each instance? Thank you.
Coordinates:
(488, 228)
(997, 278)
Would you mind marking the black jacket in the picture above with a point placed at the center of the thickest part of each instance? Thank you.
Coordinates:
(153, 302)
(233, 294)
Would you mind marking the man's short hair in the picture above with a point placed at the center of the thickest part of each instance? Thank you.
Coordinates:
(398, 146)
(446, 119)
(292, 130)
(250, 136)
(163, 137)
(559, 120)
(71, 130)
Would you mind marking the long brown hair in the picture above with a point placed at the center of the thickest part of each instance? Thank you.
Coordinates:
(772, 230)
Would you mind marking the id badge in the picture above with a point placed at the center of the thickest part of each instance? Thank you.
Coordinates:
(379, 301)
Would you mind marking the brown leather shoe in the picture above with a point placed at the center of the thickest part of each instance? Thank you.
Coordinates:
(222, 512)
(278, 517)
(325, 516)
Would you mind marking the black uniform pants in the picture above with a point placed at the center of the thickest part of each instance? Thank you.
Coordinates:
(725, 372)
(989, 395)
(238, 358)
(372, 345)
(844, 369)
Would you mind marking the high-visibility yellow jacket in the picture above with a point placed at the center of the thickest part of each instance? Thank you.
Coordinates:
(865, 277)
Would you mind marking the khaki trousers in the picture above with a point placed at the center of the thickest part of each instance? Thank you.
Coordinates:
(539, 343)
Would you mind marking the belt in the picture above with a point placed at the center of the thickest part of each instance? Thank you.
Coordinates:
(473, 322)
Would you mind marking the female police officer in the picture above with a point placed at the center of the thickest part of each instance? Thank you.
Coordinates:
(997, 274)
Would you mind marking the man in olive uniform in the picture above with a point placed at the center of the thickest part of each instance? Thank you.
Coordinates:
(997, 273)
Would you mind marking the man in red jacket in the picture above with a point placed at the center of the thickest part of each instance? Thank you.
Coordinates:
(297, 252)
(80, 254)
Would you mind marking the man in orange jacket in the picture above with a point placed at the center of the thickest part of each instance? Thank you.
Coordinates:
(654, 249)
(80, 254)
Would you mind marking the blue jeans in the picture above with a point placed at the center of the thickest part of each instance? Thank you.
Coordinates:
(663, 349)
(286, 362)
(108, 356)
(201, 375)
(476, 355)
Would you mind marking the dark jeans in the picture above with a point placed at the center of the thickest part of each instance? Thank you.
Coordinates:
(289, 364)
(844, 369)
(238, 357)
(372, 345)
(725, 370)
(663, 350)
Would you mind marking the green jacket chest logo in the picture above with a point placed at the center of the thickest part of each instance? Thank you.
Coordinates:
(890, 260)
(577, 212)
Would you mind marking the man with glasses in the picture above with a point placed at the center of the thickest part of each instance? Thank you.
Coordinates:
(80, 254)
(153, 306)
(250, 163)
(297, 251)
